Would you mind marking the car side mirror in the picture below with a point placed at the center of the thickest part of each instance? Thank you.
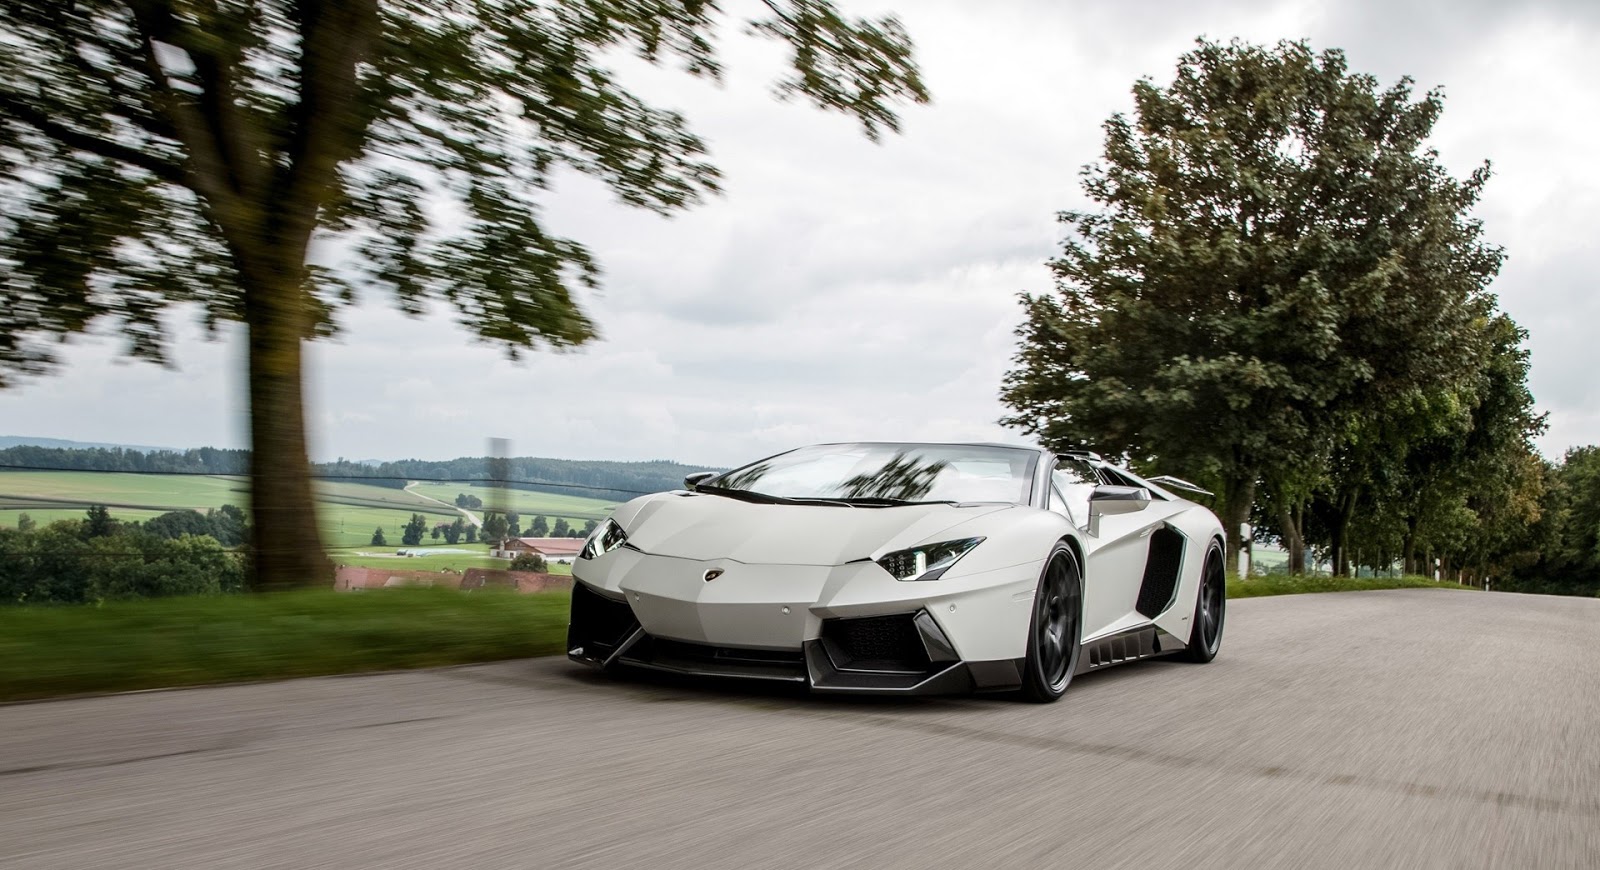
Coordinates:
(690, 481)
(1108, 500)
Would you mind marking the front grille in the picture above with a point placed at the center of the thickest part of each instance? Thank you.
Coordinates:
(698, 658)
(876, 643)
(598, 624)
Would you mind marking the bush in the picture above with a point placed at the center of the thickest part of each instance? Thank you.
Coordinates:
(529, 562)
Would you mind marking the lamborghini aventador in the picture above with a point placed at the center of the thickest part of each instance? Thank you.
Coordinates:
(903, 568)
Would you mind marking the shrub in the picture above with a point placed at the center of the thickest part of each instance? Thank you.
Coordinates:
(529, 562)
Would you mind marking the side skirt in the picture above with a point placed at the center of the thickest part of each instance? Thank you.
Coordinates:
(1129, 645)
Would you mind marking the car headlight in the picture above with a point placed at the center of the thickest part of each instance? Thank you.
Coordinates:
(606, 537)
(928, 562)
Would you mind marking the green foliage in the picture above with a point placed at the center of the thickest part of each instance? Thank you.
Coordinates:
(472, 534)
(454, 531)
(25, 523)
(377, 538)
(470, 502)
(1273, 254)
(122, 646)
(529, 562)
(588, 527)
(412, 534)
(513, 525)
(1565, 537)
(58, 565)
(540, 528)
(176, 524)
(561, 528)
(228, 525)
(99, 523)
(494, 527)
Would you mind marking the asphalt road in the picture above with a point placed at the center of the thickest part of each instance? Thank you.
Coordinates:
(1414, 728)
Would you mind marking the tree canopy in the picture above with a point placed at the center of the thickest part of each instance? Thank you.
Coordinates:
(1273, 251)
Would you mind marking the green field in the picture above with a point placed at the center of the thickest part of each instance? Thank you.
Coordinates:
(347, 512)
(576, 509)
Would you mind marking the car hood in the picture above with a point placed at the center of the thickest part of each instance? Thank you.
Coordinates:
(706, 527)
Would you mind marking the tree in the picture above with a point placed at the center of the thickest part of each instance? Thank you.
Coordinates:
(414, 530)
(228, 525)
(1273, 252)
(472, 534)
(494, 527)
(25, 523)
(377, 538)
(468, 501)
(540, 528)
(176, 524)
(513, 525)
(561, 528)
(529, 562)
(437, 533)
(160, 152)
(589, 527)
(454, 531)
(99, 523)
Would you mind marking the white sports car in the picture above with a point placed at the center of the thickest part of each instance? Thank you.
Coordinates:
(903, 568)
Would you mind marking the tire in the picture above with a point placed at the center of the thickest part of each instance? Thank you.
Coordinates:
(1210, 608)
(1056, 629)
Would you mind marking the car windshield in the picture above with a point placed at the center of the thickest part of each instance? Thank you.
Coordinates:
(888, 474)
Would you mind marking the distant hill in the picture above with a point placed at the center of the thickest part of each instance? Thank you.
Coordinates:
(30, 441)
(609, 480)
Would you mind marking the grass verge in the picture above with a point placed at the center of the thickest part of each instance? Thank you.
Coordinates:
(54, 651)
(1284, 584)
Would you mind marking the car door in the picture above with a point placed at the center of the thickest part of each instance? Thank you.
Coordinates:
(1117, 554)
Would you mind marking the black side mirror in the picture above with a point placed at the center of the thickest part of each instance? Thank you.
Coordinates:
(690, 481)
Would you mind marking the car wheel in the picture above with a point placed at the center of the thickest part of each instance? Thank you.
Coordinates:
(1056, 628)
(1210, 606)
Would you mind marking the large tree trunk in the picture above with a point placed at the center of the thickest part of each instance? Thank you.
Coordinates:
(287, 546)
(1237, 499)
(1344, 511)
(1408, 549)
(1293, 540)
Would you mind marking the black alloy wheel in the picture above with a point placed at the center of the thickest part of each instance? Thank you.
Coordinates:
(1056, 628)
(1210, 606)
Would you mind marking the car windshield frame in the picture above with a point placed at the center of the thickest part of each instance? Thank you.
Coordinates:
(887, 474)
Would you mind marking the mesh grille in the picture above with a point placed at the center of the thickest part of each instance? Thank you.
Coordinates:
(598, 621)
(889, 643)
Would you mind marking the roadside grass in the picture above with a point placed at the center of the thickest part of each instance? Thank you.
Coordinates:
(159, 643)
(1284, 584)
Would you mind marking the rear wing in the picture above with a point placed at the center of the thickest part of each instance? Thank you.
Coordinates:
(1170, 482)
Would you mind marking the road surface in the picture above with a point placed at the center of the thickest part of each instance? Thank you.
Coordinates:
(1414, 728)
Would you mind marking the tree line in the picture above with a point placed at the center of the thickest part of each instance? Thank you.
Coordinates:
(602, 479)
(1280, 292)
(100, 558)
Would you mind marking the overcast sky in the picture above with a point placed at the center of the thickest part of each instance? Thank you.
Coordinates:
(841, 289)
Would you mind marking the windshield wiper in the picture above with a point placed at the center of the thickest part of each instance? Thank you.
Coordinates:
(885, 501)
(763, 498)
